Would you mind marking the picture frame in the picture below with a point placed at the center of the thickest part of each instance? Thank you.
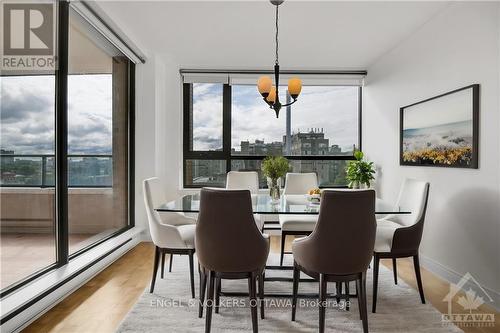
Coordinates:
(442, 131)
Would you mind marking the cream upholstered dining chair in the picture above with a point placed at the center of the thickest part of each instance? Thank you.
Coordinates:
(300, 184)
(399, 235)
(168, 238)
(245, 180)
(176, 219)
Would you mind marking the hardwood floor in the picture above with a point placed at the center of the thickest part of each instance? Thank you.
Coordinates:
(101, 304)
(22, 254)
(435, 291)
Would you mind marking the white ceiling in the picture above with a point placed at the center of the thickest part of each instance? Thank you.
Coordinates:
(313, 35)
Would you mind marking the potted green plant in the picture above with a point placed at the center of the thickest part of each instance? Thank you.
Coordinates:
(359, 172)
(275, 168)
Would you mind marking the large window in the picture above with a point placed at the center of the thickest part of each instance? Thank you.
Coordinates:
(229, 127)
(207, 117)
(27, 139)
(66, 154)
(98, 111)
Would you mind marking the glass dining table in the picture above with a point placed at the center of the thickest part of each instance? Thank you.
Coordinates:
(288, 204)
(262, 204)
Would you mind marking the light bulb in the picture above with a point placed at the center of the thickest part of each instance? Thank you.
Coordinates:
(272, 95)
(294, 87)
(264, 85)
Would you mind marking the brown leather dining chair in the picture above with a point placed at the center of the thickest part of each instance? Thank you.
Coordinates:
(339, 249)
(229, 246)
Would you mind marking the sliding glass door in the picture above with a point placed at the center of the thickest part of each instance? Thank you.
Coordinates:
(27, 219)
(66, 157)
(97, 135)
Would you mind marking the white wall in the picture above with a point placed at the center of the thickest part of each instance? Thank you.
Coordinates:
(172, 128)
(458, 47)
(150, 141)
(498, 235)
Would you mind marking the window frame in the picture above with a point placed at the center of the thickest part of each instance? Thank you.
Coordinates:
(225, 154)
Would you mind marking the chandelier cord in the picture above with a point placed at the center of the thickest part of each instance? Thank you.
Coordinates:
(277, 41)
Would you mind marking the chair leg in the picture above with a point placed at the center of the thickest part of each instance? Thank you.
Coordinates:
(155, 268)
(283, 239)
(210, 301)
(376, 260)
(261, 294)
(416, 264)
(162, 264)
(359, 290)
(395, 270)
(203, 287)
(171, 260)
(217, 294)
(253, 301)
(191, 273)
(296, 275)
(364, 312)
(347, 301)
(322, 301)
(338, 290)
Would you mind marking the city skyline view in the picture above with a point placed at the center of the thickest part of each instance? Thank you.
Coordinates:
(27, 115)
(27, 127)
(253, 120)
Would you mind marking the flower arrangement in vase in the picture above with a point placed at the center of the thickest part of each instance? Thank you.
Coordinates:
(275, 168)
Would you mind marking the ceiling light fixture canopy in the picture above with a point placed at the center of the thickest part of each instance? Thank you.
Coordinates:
(265, 86)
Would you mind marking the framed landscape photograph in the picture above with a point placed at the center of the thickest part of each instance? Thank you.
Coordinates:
(442, 131)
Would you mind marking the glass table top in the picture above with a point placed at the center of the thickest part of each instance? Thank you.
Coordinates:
(262, 204)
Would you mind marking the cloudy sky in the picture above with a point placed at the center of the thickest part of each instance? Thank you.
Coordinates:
(335, 109)
(27, 114)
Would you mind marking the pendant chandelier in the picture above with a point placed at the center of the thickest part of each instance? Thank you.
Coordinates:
(265, 84)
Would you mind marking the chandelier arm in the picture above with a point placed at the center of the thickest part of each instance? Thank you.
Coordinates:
(288, 104)
(271, 104)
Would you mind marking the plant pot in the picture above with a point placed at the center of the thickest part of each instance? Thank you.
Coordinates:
(359, 186)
